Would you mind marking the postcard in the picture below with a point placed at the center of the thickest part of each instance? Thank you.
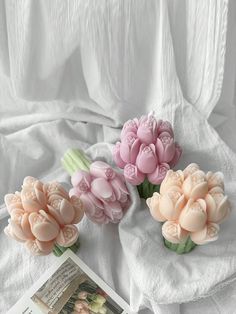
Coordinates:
(70, 286)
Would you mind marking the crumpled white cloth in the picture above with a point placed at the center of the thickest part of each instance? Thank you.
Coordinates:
(87, 67)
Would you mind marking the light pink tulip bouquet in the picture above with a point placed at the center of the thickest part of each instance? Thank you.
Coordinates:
(191, 205)
(43, 217)
(146, 151)
(101, 189)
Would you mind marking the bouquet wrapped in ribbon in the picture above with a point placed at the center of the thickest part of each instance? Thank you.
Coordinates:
(101, 189)
(43, 217)
(191, 205)
(146, 151)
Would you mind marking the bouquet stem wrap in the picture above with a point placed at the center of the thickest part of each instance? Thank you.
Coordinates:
(74, 160)
(180, 248)
(58, 250)
(146, 189)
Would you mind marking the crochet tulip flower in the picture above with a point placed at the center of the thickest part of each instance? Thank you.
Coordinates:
(101, 189)
(146, 151)
(42, 216)
(191, 205)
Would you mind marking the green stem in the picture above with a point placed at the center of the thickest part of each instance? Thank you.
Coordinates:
(146, 189)
(180, 248)
(58, 250)
(75, 160)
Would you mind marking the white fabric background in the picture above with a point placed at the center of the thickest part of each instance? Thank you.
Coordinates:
(73, 71)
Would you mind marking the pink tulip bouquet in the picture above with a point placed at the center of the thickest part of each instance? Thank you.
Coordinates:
(191, 205)
(43, 217)
(146, 151)
(101, 189)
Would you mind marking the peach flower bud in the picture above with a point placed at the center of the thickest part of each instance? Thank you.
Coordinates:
(65, 210)
(173, 179)
(43, 226)
(217, 205)
(171, 204)
(54, 188)
(208, 234)
(37, 247)
(173, 232)
(195, 186)
(67, 236)
(13, 201)
(215, 180)
(190, 169)
(194, 216)
(153, 204)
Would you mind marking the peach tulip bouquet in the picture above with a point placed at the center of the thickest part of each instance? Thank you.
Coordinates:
(146, 151)
(191, 205)
(43, 217)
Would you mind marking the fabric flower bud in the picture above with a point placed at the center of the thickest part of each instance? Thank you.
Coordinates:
(177, 155)
(195, 186)
(208, 234)
(81, 180)
(67, 236)
(153, 204)
(165, 147)
(13, 201)
(147, 158)
(116, 156)
(133, 175)
(129, 126)
(173, 232)
(147, 130)
(129, 148)
(194, 216)
(101, 169)
(159, 174)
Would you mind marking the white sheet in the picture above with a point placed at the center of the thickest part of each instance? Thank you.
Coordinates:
(85, 76)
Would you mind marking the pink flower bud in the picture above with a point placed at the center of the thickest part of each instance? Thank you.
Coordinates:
(129, 126)
(133, 175)
(165, 126)
(147, 159)
(102, 189)
(101, 169)
(81, 180)
(147, 130)
(119, 189)
(116, 156)
(129, 148)
(114, 211)
(165, 147)
(177, 155)
(159, 174)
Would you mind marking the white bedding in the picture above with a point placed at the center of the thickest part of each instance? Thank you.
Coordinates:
(82, 88)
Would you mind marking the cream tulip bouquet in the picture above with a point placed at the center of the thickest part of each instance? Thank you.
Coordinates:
(191, 205)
